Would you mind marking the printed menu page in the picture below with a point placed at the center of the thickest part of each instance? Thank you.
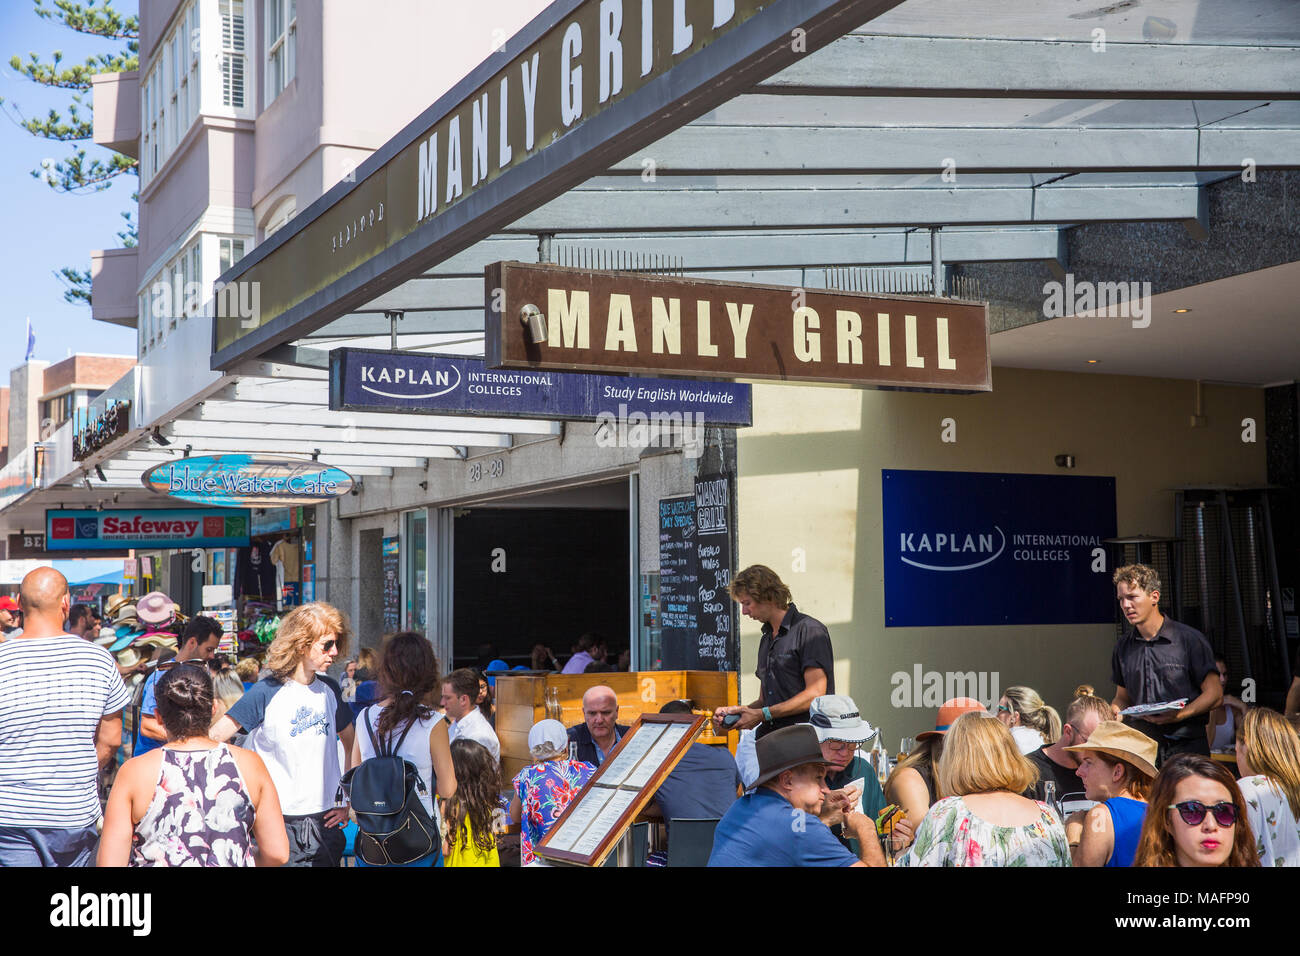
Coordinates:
(635, 747)
(579, 819)
(605, 821)
(672, 735)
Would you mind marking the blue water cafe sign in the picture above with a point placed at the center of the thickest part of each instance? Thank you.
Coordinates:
(966, 548)
(247, 480)
(366, 380)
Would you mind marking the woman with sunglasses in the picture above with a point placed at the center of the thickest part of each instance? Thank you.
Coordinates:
(1197, 817)
(1268, 756)
(294, 718)
(193, 801)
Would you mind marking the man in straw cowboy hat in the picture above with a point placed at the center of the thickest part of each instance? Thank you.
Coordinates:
(1116, 765)
(61, 702)
(777, 824)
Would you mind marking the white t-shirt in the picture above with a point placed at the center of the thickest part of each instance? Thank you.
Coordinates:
(53, 693)
(474, 726)
(1027, 739)
(415, 747)
(292, 727)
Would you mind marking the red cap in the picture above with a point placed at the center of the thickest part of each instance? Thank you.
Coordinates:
(8, 604)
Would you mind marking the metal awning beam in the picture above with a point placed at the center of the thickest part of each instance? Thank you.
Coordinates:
(244, 413)
(895, 150)
(356, 436)
(763, 204)
(873, 65)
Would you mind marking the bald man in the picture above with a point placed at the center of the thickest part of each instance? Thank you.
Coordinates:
(61, 702)
(600, 731)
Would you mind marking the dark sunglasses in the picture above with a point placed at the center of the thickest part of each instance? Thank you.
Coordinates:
(328, 645)
(1193, 812)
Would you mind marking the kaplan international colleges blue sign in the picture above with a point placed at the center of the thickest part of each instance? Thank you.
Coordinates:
(963, 548)
(365, 380)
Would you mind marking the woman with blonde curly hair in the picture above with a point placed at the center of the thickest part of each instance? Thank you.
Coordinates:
(294, 718)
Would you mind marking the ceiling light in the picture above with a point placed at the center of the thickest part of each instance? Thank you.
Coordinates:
(1092, 361)
(1181, 311)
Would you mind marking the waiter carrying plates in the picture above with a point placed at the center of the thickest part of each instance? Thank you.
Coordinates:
(795, 662)
(1160, 660)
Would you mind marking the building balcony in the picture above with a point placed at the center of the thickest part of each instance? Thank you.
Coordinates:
(114, 274)
(117, 112)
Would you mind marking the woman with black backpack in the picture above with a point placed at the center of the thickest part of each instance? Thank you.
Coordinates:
(403, 725)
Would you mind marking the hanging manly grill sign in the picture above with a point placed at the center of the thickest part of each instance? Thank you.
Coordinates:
(634, 323)
(552, 89)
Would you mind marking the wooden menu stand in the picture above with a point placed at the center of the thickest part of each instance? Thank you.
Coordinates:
(596, 819)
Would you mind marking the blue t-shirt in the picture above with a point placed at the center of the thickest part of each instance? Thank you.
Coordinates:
(1126, 817)
(763, 829)
(148, 705)
(701, 787)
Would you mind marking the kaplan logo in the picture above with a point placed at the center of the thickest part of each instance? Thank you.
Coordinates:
(972, 550)
(76, 909)
(1105, 299)
(413, 382)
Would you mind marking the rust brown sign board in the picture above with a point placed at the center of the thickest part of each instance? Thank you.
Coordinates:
(640, 324)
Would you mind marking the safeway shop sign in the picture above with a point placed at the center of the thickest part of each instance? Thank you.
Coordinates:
(965, 548)
(161, 528)
(365, 380)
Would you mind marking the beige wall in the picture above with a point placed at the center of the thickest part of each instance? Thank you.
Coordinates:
(810, 479)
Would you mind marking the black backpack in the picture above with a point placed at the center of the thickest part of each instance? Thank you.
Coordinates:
(393, 827)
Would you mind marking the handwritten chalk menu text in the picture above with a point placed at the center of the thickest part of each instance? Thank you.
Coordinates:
(697, 616)
(714, 644)
(679, 601)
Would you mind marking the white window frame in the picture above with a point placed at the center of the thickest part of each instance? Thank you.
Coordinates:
(280, 20)
(170, 93)
(230, 52)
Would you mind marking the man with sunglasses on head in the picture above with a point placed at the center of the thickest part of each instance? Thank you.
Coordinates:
(198, 643)
(295, 718)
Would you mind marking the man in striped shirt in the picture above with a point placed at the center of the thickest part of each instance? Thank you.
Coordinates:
(61, 702)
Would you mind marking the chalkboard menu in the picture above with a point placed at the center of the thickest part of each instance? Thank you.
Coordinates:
(679, 599)
(392, 586)
(714, 645)
(695, 567)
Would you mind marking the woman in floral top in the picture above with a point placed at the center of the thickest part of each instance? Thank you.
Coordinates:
(986, 822)
(1268, 754)
(543, 791)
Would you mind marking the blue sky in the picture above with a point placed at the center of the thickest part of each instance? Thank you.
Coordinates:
(44, 230)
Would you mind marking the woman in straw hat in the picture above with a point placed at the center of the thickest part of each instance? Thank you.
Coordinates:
(1268, 755)
(1116, 765)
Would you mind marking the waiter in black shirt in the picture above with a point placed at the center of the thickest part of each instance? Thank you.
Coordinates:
(1161, 660)
(795, 662)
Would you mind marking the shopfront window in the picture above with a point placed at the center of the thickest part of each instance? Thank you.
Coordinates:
(415, 545)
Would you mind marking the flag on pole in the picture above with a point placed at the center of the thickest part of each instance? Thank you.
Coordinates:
(31, 340)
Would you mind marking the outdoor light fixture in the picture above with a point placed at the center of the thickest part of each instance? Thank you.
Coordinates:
(531, 316)
(1064, 461)
(158, 437)
(1092, 361)
(1181, 311)
(85, 479)
(99, 473)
